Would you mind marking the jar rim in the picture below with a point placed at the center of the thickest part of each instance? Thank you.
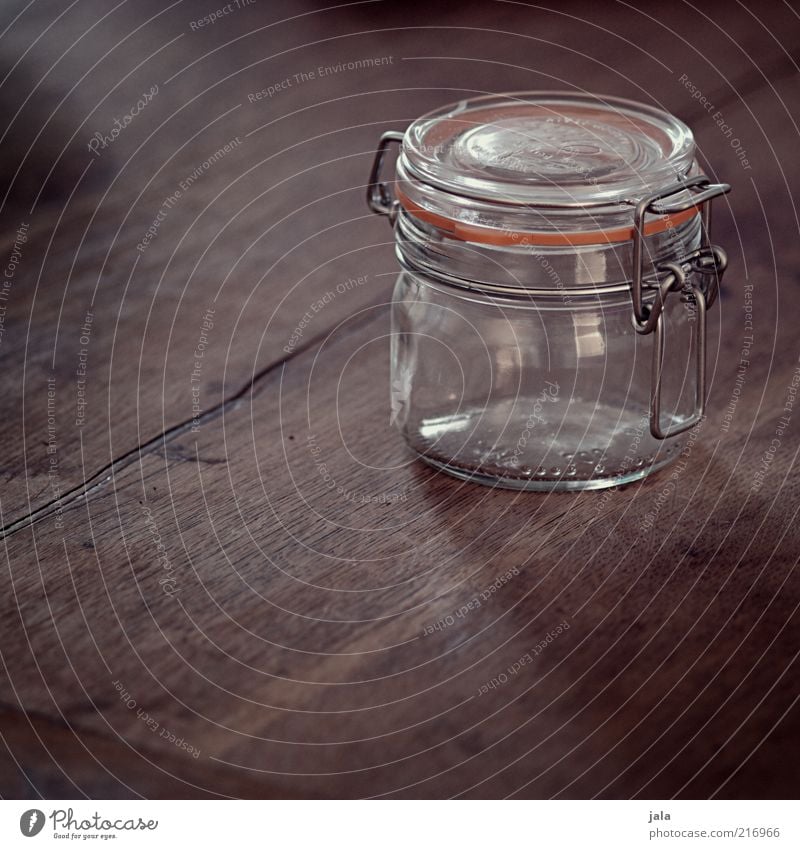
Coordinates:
(544, 168)
(548, 149)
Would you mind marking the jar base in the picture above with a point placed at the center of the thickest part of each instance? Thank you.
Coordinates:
(565, 443)
(560, 484)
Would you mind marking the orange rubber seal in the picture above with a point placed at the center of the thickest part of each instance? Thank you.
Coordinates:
(505, 238)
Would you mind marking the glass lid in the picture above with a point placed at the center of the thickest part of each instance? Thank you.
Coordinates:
(548, 149)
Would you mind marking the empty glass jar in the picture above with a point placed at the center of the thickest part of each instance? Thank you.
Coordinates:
(548, 323)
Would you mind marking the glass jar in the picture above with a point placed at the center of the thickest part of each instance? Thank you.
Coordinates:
(548, 323)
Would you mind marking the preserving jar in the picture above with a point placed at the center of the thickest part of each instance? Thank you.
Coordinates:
(549, 318)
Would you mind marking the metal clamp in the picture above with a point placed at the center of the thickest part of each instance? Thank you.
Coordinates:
(706, 191)
(657, 370)
(708, 262)
(379, 198)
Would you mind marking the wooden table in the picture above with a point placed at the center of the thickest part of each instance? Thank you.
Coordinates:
(188, 609)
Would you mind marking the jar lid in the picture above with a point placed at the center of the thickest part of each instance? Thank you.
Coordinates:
(571, 166)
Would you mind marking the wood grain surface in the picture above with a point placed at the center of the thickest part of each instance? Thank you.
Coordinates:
(193, 604)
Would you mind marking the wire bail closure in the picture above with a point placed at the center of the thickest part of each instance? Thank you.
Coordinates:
(379, 199)
(697, 276)
(708, 263)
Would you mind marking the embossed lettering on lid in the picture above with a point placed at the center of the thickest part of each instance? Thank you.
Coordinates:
(549, 148)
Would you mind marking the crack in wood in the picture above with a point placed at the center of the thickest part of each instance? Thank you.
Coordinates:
(97, 481)
(723, 97)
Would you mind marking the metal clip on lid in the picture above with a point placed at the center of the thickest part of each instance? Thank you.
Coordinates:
(379, 199)
(709, 262)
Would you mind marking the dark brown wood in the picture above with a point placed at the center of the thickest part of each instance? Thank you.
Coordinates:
(46, 759)
(265, 230)
(206, 590)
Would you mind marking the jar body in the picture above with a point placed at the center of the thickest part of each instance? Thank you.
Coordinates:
(549, 323)
(536, 393)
